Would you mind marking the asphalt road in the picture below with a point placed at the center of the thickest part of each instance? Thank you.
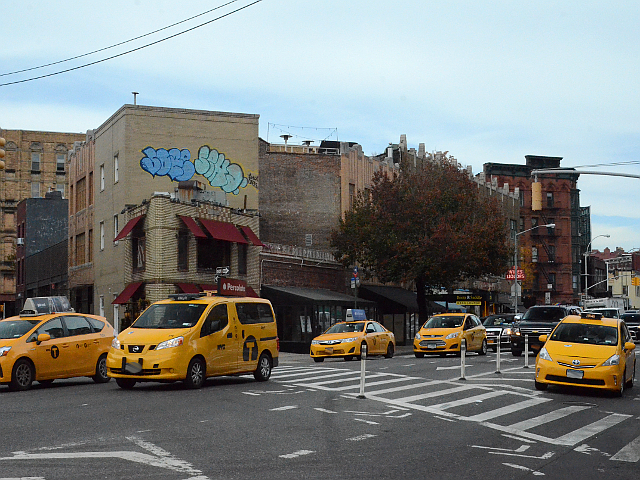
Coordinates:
(416, 419)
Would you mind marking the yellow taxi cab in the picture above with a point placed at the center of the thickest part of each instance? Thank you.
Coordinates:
(443, 333)
(587, 350)
(345, 340)
(48, 341)
(191, 337)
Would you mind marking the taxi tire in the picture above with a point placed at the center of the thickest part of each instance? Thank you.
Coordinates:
(126, 383)
(195, 374)
(540, 386)
(633, 375)
(22, 375)
(483, 348)
(390, 351)
(620, 391)
(348, 358)
(318, 359)
(419, 354)
(516, 353)
(45, 383)
(101, 370)
(264, 368)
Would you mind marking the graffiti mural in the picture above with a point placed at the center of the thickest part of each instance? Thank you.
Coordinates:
(211, 164)
(173, 163)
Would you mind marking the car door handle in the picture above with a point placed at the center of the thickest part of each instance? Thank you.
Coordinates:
(229, 335)
(65, 346)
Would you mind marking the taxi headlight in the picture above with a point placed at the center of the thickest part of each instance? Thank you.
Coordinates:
(544, 355)
(418, 337)
(515, 331)
(4, 351)
(452, 335)
(115, 343)
(315, 342)
(174, 342)
(347, 340)
(612, 360)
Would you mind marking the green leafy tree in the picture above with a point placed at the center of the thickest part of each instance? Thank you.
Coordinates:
(429, 226)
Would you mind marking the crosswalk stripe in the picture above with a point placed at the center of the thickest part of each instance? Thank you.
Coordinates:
(629, 453)
(356, 376)
(548, 417)
(498, 412)
(437, 393)
(468, 400)
(587, 431)
(369, 384)
(404, 387)
(314, 375)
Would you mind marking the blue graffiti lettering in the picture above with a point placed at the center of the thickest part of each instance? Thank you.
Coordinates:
(219, 171)
(174, 163)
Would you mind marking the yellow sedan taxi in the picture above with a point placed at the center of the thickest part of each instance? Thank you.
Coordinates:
(443, 333)
(48, 341)
(345, 340)
(587, 350)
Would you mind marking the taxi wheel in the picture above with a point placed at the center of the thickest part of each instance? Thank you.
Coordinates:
(263, 372)
(22, 376)
(516, 353)
(390, 351)
(541, 386)
(318, 359)
(419, 354)
(45, 383)
(126, 383)
(633, 375)
(195, 374)
(483, 348)
(348, 358)
(620, 391)
(101, 370)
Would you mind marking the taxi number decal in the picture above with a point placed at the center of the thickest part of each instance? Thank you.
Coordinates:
(221, 347)
(250, 348)
(55, 353)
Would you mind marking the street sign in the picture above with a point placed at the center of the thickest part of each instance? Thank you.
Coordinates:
(511, 276)
(222, 270)
(355, 271)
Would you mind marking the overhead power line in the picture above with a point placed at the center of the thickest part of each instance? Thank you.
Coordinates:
(132, 50)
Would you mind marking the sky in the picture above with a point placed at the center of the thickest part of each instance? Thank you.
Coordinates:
(488, 81)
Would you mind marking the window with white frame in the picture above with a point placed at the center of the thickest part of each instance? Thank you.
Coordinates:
(102, 305)
(35, 161)
(101, 177)
(60, 188)
(35, 189)
(60, 159)
(115, 227)
(101, 235)
(115, 169)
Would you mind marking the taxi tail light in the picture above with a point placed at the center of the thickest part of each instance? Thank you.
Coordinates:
(615, 380)
(278, 344)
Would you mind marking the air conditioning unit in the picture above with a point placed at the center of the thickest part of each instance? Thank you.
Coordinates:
(20, 241)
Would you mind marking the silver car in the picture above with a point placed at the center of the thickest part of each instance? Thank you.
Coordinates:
(498, 325)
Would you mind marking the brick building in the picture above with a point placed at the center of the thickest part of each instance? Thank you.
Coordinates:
(35, 164)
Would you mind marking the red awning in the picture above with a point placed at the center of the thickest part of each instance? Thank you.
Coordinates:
(128, 227)
(127, 293)
(188, 287)
(252, 236)
(251, 292)
(210, 288)
(193, 227)
(223, 231)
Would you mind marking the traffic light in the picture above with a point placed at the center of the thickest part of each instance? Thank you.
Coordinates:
(3, 142)
(536, 196)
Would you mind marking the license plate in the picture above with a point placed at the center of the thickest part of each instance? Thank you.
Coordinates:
(431, 345)
(328, 350)
(575, 373)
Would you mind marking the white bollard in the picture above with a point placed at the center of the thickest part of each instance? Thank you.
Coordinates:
(363, 360)
(499, 342)
(463, 355)
(526, 351)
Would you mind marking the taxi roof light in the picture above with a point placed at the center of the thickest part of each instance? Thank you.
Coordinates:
(591, 316)
(45, 305)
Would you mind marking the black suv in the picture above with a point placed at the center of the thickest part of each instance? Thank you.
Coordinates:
(538, 320)
(632, 320)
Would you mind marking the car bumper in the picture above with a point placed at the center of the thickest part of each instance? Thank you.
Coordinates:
(158, 365)
(551, 373)
(336, 350)
(440, 345)
(517, 342)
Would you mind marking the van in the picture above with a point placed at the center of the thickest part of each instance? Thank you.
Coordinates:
(190, 337)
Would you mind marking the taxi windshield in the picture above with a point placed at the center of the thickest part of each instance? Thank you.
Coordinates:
(497, 321)
(346, 328)
(444, 321)
(16, 328)
(170, 315)
(586, 333)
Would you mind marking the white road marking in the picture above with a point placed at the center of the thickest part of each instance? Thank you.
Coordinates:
(369, 422)
(586, 449)
(324, 410)
(518, 438)
(372, 384)
(629, 453)
(468, 400)
(587, 431)
(297, 454)
(455, 367)
(443, 418)
(437, 393)
(404, 387)
(547, 417)
(286, 407)
(520, 449)
(252, 393)
(499, 412)
(22, 478)
(361, 437)
(520, 467)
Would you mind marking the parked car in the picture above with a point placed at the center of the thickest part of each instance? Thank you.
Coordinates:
(49, 341)
(606, 312)
(632, 319)
(537, 320)
(346, 339)
(499, 326)
(588, 350)
(443, 333)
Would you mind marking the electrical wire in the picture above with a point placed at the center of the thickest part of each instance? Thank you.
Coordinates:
(129, 51)
(117, 44)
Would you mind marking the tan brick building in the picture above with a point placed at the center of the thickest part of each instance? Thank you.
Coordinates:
(35, 164)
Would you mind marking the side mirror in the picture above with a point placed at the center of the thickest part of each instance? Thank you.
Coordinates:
(542, 338)
(629, 346)
(43, 337)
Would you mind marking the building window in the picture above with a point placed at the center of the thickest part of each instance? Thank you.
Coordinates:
(35, 189)
(521, 229)
(115, 169)
(60, 188)
(101, 305)
(521, 197)
(80, 249)
(243, 253)
(534, 222)
(534, 254)
(549, 199)
(90, 188)
(552, 281)
(81, 194)
(115, 227)
(575, 283)
(90, 247)
(551, 230)
(35, 161)
(101, 177)
(513, 225)
(552, 253)
(138, 248)
(625, 290)
(213, 253)
(352, 195)
(101, 235)
(183, 250)
(60, 158)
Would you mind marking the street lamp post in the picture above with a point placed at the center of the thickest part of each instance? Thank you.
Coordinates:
(515, 263)
(586, 271)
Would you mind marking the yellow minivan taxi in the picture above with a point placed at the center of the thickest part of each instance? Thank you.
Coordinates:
(49, 341)
(587, 350)
(443, 333)
(190, 337)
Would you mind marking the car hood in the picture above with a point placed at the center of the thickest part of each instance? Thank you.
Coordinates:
(150, 335)
(557, 350)
(338, 336)
(12, 342)
(439, 331)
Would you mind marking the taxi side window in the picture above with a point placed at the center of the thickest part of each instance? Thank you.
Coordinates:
(96, 324)
(217, 319)
(467, 323)
(626, 336)
(77, 325)
(254, 313)
(370, 328)
(53, 328)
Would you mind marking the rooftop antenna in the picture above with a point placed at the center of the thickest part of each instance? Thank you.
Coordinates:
(135, 94)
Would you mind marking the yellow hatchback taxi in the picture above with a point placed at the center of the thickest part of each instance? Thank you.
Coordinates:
(190, 337)
(443, 333)
(48, 341)
(587, 350)
(345, 340)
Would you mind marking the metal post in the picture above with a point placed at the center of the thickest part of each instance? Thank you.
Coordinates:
(463, 354)
(499, 340)
(515, 273)
(363, 360)
(526, 351)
